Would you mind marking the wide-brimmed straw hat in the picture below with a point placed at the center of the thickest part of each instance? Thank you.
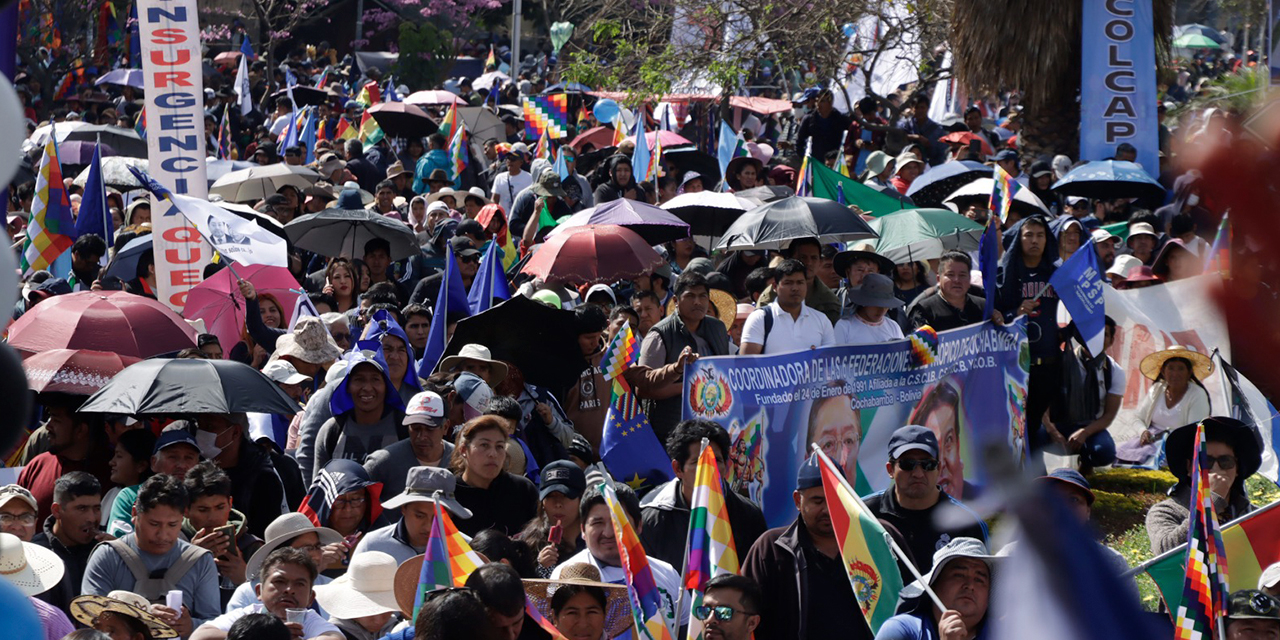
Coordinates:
(31, 568)
(282, 530)
(1201, 365)
(366, 589)
(497, 368)
(617, 614)
(87, 609)
(723, 306)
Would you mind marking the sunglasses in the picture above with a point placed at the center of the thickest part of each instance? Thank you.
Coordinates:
(912, 465)
(723, 613)
(469, 259)
(1226, 463)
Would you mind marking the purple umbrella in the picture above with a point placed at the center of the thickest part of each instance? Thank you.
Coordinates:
(81, 151)
(654, 225)
(122, 77)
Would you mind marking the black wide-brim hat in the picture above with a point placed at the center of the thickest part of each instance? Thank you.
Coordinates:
(1244, 439)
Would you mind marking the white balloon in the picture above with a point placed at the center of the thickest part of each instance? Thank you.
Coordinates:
(12, 131)
(8, 279)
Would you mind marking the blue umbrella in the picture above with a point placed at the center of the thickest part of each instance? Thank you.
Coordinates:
(567, 87)
(1109, 179)
(122, 77)
(932, 187)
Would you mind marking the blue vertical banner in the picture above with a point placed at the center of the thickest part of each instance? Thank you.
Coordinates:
(1118, 81)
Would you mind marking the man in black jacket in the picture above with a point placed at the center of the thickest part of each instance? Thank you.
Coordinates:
(257, 489)
(800, 567)
(665, 510)
(72, 532)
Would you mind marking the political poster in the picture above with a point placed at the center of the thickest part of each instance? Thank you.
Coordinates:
(968, 385)
(1118, 80)
(173, 83)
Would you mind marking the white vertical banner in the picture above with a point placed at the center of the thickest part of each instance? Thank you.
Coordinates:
(170, 33)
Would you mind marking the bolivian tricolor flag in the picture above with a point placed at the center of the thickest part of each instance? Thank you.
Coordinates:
(863, 547)
(1252, 543)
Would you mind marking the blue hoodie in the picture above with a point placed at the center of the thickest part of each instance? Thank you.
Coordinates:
(1016, 282)
(382, 324)
(432, 160)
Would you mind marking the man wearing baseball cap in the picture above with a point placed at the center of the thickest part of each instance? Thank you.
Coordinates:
(425, 446)
(1071, 486)
(1252, 615)
(1268, 582)
(912, 500)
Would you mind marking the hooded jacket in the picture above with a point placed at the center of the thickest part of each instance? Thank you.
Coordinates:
(1016, 282)
(610, 190)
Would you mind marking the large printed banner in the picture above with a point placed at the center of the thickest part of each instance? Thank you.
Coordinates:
(1118, 81)
(172, 77)
(970, 386)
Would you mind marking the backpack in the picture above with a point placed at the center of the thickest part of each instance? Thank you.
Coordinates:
(1080, 403)
(768, 327)
(153, 585)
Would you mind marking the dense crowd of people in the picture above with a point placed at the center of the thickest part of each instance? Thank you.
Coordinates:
(307, 525)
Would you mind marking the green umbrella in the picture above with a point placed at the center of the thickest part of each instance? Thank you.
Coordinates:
(924, 234)
(1195, 41)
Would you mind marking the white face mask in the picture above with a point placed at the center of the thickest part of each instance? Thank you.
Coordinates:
(799, 112)
(1193, 200)
(208, 443)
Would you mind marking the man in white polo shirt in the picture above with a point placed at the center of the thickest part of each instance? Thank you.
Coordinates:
(787, 323)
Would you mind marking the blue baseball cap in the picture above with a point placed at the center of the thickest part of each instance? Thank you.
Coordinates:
(1071, 477)
(810, 474)
(175, 436)
(912, 437)
(1006, 154)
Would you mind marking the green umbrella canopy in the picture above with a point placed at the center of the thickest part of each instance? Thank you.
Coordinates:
(1195, 41)
(924, 234)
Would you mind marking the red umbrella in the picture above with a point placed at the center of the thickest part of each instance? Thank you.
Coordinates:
(114, 321)
(668, 138)
(963, 137)
(227, 57)
(601, 137)
(218, 302)
(593, 253)
(78, 372)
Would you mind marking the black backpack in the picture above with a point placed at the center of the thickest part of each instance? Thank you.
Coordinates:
(1079, 403)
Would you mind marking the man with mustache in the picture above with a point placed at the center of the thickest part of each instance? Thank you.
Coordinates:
(71, 532)
(287, 577)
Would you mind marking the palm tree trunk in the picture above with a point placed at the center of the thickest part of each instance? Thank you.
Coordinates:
(1051, 130)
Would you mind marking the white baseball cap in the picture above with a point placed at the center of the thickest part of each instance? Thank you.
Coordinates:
(1270, 577)
(426, 408)
(283, 372)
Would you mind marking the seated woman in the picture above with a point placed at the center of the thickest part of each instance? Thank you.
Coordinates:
(496, 498)
(580, 605)
(344, 499)
(367, 412)
(1233, 452)
(1177, 398)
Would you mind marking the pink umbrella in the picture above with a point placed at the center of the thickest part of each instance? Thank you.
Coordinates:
(668, 138)
(218, 302)
(115, 321)
(435, 97)
(593, 253)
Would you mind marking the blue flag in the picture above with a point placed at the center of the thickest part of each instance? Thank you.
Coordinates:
(1078, 283)
(640, 158)
(490, 282)
(988, 261)
(727, 148)
(452, 298)
(560, 167)
(245, 47)
(629, 447)
(95, 215)
(309, 136)
(389, 91)
(135, 40)
(290, 131)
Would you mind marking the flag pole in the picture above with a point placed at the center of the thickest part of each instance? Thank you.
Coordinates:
(684, 564)
(898, 553)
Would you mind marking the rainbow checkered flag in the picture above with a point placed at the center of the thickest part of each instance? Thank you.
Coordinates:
(1002, 193)
(623, 352)
(804, 179)
(52, 230)
(1219, 256)
(646, 601)
(547, 116)
(448, 560)
(140, 123)
(224, 135)
(451, 123)
(711, 551)
(458, 152)
(1204, 593)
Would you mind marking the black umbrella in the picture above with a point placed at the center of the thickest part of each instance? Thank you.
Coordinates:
(337, 232)
(767, 193)
(126, 142)
(1109, 180)
(190, 386)
(709, 213)
(544, 347)
(304, 96)
(689, 159)
(774, 225)
(402, 120)
(932, 187)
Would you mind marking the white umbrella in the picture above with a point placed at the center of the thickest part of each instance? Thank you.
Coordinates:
(1024, 199)
(487, 80)
(215, 168)
(434, 97)
(115, 173)
(256, 183)
(41, 135)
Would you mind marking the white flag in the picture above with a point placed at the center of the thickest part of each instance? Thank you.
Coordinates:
(242, 87)
(302, 307)
(234, 237)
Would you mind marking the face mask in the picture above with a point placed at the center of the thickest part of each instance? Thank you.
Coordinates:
(1193, 200)
(799, 112)
(208, 444)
